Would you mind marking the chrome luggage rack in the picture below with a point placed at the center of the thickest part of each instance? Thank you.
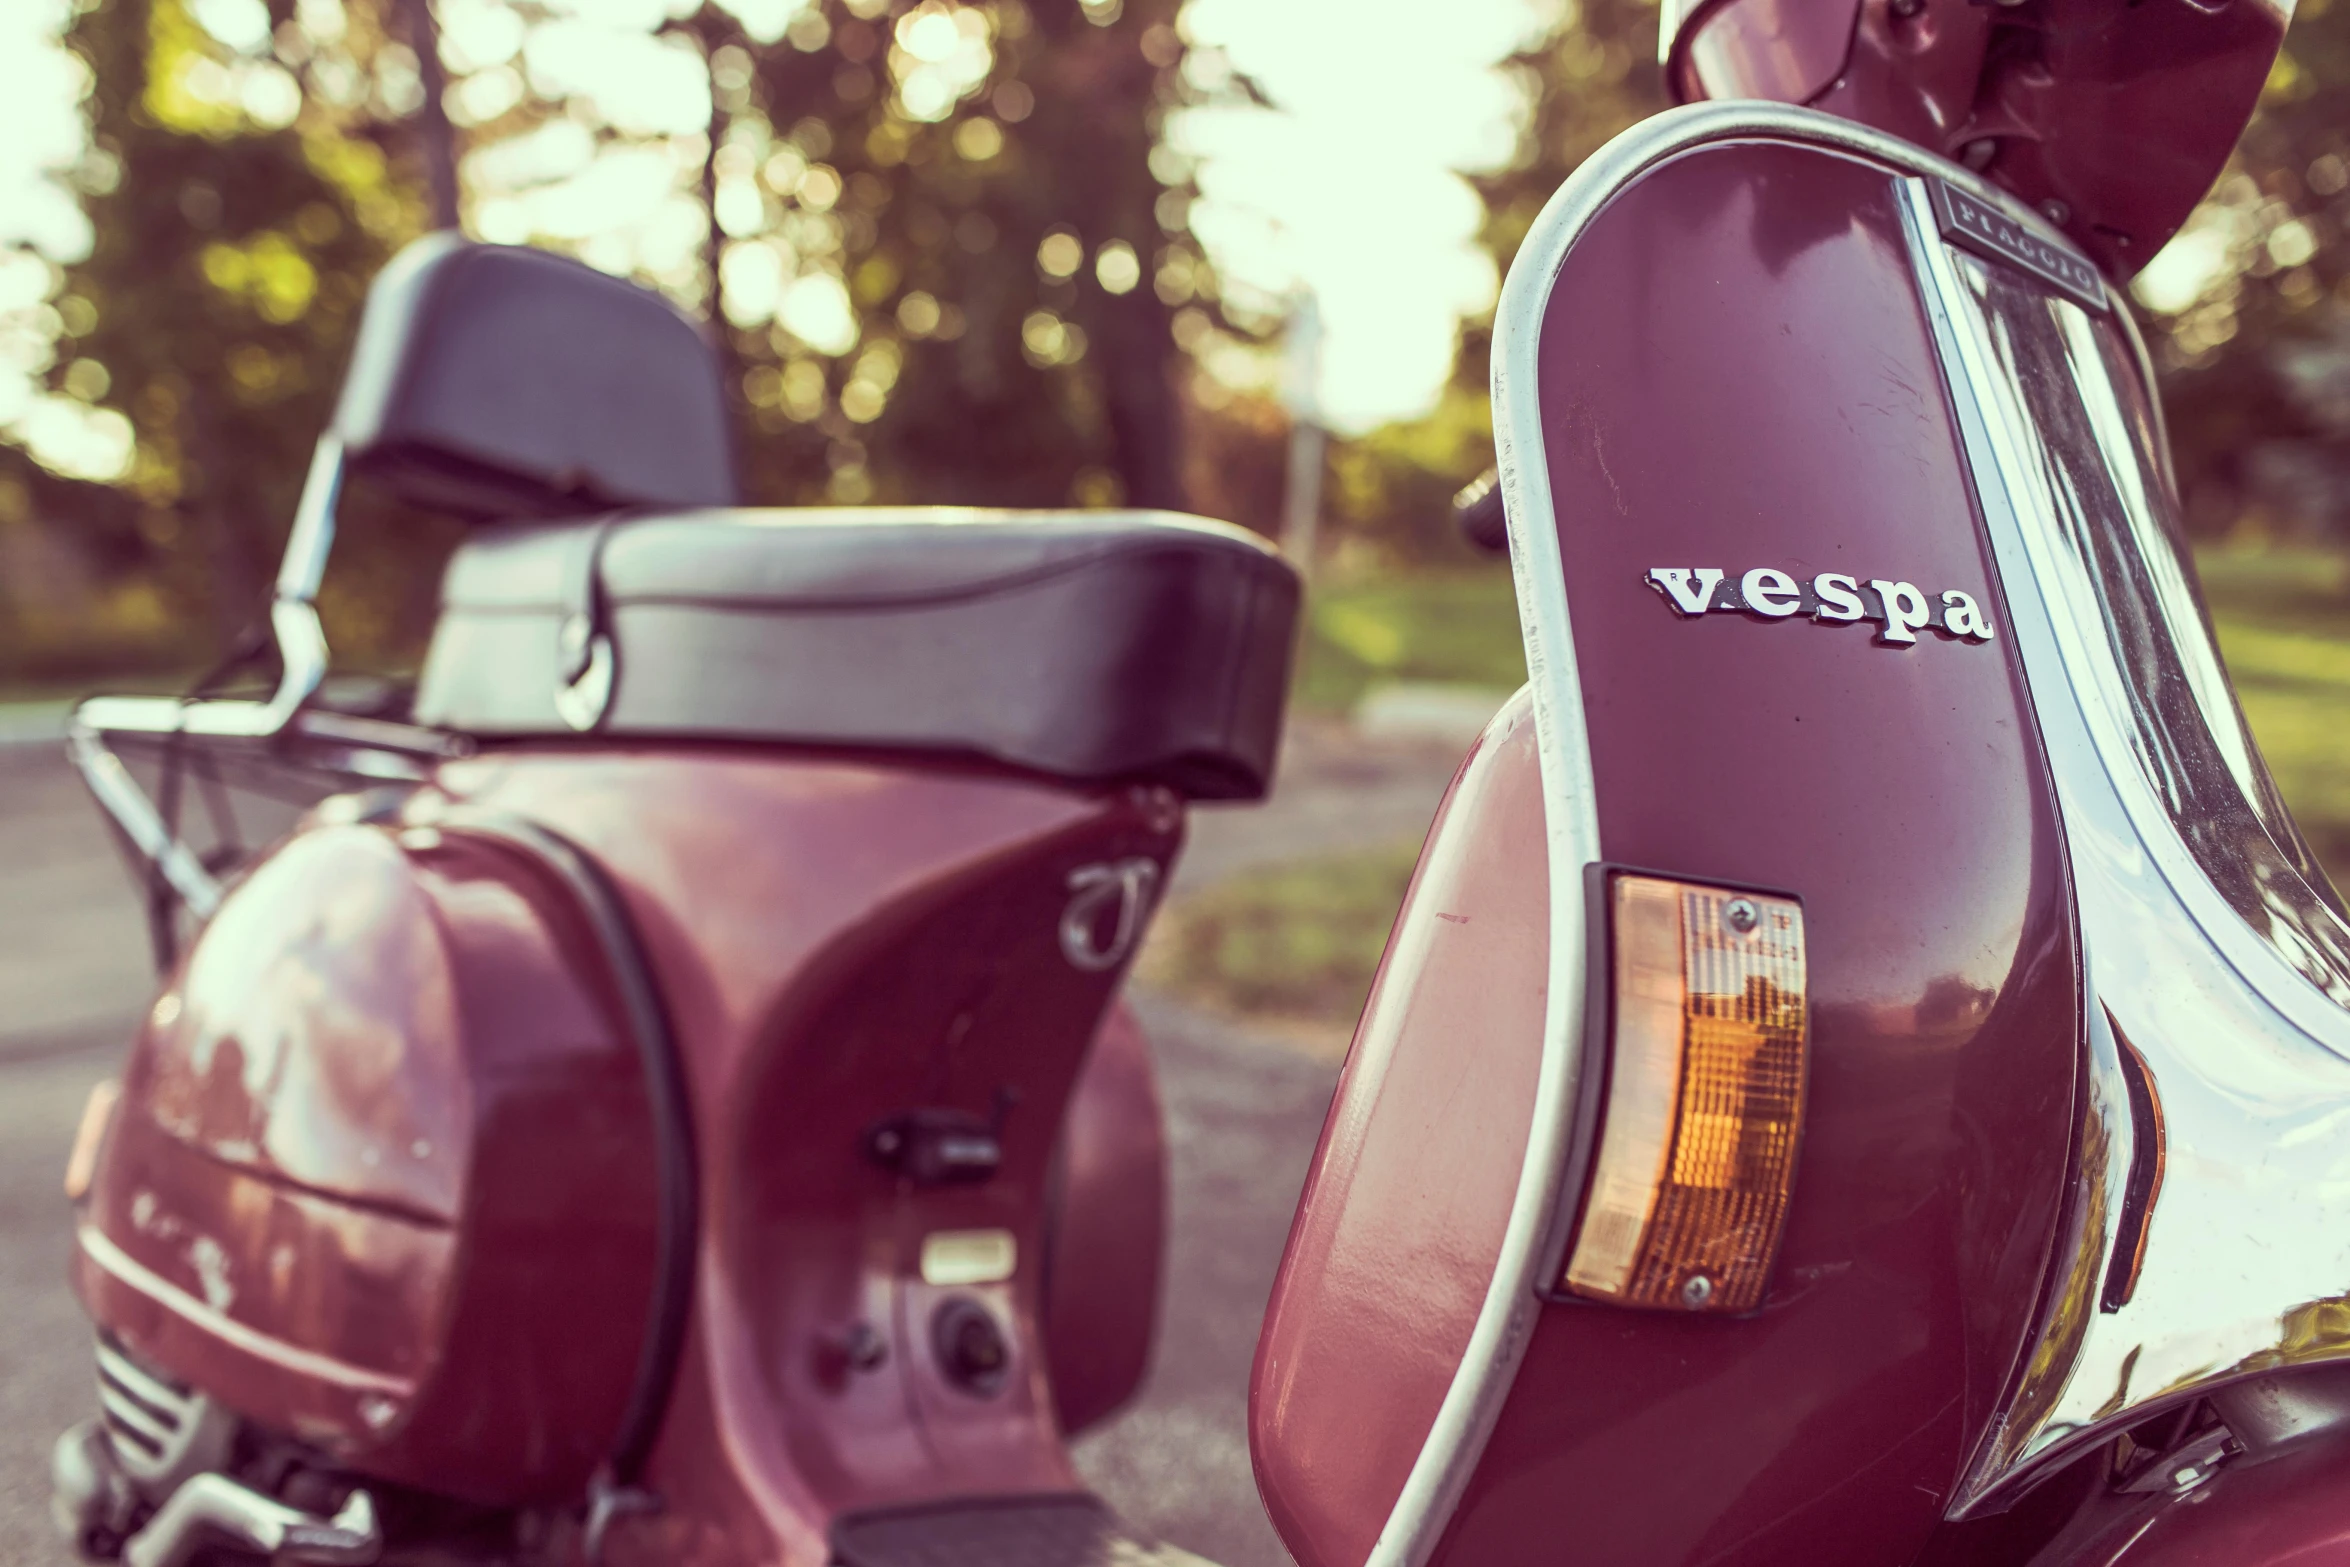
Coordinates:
(291, 725)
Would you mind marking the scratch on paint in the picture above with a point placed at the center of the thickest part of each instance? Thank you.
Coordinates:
(1599, 450)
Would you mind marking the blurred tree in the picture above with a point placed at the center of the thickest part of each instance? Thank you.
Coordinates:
(243, 190)
(1594, 75)
(950, 270)
(2249, 310)
(1590, 76)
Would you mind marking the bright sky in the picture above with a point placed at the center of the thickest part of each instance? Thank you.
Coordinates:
(1351, 187)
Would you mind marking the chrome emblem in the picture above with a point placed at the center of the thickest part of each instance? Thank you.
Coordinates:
(1900, 610)
(1117, 895)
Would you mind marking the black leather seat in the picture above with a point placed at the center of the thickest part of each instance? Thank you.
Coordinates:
(1090, 646)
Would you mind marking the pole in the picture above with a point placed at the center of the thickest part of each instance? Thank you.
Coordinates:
(439, 137)
(1301, 508)
(714, 242)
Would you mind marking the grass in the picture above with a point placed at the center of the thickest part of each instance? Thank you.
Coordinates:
(1295, 943)
(1452, 627)
(2283, 618)
(1298, 943)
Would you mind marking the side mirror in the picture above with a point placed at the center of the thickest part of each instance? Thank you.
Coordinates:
(499, 381)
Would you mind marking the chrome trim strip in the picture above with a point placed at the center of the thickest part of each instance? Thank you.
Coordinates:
(1506, 1321)
(132, 1274)
(2246, 1267)
(2077, 658)
(212, 1506)
(293, 620)
(138, 1381)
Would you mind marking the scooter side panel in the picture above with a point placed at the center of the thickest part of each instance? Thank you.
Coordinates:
(840, 941)
(1105, 1230)
(377, 1137)
(1735, 372)
(1409, 1192)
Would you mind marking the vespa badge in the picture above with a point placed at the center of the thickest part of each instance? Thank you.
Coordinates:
(1900, 610)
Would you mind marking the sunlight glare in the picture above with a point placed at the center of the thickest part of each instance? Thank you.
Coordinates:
(1351, 185)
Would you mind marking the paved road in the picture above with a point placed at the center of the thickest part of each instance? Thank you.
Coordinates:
(1243, 1115)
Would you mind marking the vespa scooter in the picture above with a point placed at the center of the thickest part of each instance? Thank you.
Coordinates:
(1923, 1067)
(1856, 1079)
(697, 1008)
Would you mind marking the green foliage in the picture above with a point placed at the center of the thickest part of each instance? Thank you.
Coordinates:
(1455, 627)
(1012, 260)
(2278, 228)
(237, 225)
(1299, 941)
(1389, 495)
(2283, 618)
(1594, 76)
(1011, 268)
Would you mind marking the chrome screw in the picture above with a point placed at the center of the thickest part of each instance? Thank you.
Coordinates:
(1697, 1291)
(1741, 915)
(2056, 212)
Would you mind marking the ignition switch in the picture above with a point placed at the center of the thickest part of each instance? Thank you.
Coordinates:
(970, 1345)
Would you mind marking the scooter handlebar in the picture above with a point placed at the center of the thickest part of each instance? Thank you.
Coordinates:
(1477, 512)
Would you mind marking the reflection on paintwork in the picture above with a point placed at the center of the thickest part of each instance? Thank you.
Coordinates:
(314, 999)
(2209, 939)
(2113, 513)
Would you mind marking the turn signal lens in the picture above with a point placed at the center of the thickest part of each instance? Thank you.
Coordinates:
(1704, 1104)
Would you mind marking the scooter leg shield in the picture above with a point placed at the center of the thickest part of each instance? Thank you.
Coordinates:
(1769, 655)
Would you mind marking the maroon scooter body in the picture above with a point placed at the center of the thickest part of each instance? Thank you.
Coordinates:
(383, 1132)
(1735, 368)
(2111, 120)
(388, 1118)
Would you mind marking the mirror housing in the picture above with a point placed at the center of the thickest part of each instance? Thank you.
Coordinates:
(496, 381)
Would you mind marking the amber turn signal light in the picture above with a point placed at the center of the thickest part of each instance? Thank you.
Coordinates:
(1704, 1098)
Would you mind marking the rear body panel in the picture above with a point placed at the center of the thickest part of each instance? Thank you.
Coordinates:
(377, 1133)
(839, 942)
(384, 1181)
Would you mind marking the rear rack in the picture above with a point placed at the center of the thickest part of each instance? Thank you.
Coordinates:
(288, 725)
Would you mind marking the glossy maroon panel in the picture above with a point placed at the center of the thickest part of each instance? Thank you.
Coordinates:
(1736, 373)
(295, 1309)
(377, 1138)
(840, 941)
(558, 1225)
(1106, 1228)
(2113, 120)
(2122, 117)
(1788, 51)
(314, 1035)
(2292, 1511)
(1913, 74)
(1404, 1207)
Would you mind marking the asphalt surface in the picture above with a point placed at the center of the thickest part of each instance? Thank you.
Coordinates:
(1243, 1113)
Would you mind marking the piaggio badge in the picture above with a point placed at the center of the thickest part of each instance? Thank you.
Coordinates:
(1900, 609)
